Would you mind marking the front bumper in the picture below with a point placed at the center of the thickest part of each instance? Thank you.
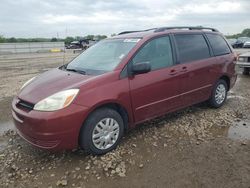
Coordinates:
(243, 64)
(58, 130)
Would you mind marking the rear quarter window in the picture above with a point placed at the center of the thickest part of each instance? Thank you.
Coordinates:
(191, 47)
(219, 45)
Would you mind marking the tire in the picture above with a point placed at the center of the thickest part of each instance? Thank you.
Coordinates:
(217, 100)
(102, 131)
(246, 71)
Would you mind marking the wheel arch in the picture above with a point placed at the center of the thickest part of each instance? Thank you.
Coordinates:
(117, 107)
(227, 80)
(121, 109)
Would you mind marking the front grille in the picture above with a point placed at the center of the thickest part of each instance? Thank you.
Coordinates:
(25, 105)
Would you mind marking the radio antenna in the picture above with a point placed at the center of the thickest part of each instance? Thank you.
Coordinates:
(64, 51)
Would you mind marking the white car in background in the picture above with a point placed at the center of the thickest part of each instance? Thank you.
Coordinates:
(244, 62)
(246, 44)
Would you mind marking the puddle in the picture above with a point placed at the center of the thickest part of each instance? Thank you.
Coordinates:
(5, 109)
(239, 131)
(5, 126)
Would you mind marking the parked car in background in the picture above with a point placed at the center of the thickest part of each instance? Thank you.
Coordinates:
(121, 82)
(92, 42)
(86, 43)
(232, 42)
(240, 42)
(74, 45)
(246, 44)
(244, 62)
(81, 44)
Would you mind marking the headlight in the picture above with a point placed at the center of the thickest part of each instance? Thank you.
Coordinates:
(57, 101)
(242, 59)
(26, 83)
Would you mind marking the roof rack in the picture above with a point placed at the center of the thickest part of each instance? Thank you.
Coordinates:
(186, 27)
(161, 29)
(126, 32)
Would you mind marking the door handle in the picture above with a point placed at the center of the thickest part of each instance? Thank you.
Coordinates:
(173, 72)
(184, 69)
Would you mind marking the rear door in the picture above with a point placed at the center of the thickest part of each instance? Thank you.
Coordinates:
(156, 92)
(196, 63)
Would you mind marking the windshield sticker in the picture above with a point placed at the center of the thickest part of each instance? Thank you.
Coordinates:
(121, 56)
(131, 40)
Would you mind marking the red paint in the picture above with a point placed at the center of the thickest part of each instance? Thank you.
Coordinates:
(143, 96)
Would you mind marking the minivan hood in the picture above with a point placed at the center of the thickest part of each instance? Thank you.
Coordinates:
(50, 83)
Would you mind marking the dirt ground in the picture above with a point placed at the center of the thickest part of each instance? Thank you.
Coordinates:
(195, 147)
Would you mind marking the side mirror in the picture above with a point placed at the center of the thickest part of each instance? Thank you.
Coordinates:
(140, 68)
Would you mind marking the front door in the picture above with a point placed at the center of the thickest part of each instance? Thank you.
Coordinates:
(156, 92)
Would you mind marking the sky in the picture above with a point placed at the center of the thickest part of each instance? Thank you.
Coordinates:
(60, 18)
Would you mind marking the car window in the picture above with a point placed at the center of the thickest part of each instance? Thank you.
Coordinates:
(191, 47)
(158, 52)
(218, 44)
(104, 56)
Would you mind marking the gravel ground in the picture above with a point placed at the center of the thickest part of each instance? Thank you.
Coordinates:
(18, 68)
(195, 147)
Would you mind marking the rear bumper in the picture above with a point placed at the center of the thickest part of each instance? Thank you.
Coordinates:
(58, 130)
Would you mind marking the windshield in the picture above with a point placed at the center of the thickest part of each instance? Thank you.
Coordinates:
(104, 56)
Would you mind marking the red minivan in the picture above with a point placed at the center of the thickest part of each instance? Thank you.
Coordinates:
(123, 81)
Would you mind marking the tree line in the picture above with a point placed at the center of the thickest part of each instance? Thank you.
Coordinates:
(244, 33)
(67, 40)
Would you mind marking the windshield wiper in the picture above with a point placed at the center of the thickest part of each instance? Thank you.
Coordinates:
(76, 70)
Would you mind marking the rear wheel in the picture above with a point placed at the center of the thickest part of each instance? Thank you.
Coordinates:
(246, 71)
(219, 94)
(102, 131)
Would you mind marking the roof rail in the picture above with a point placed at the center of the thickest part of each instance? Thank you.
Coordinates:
(126, 32)
(186, 27)
(161, 29)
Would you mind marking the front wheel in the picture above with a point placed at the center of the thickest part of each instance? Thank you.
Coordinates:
(102, 131)
(219, 94)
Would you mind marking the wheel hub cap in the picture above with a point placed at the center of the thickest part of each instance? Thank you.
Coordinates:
(105, 133)
(220, 94)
